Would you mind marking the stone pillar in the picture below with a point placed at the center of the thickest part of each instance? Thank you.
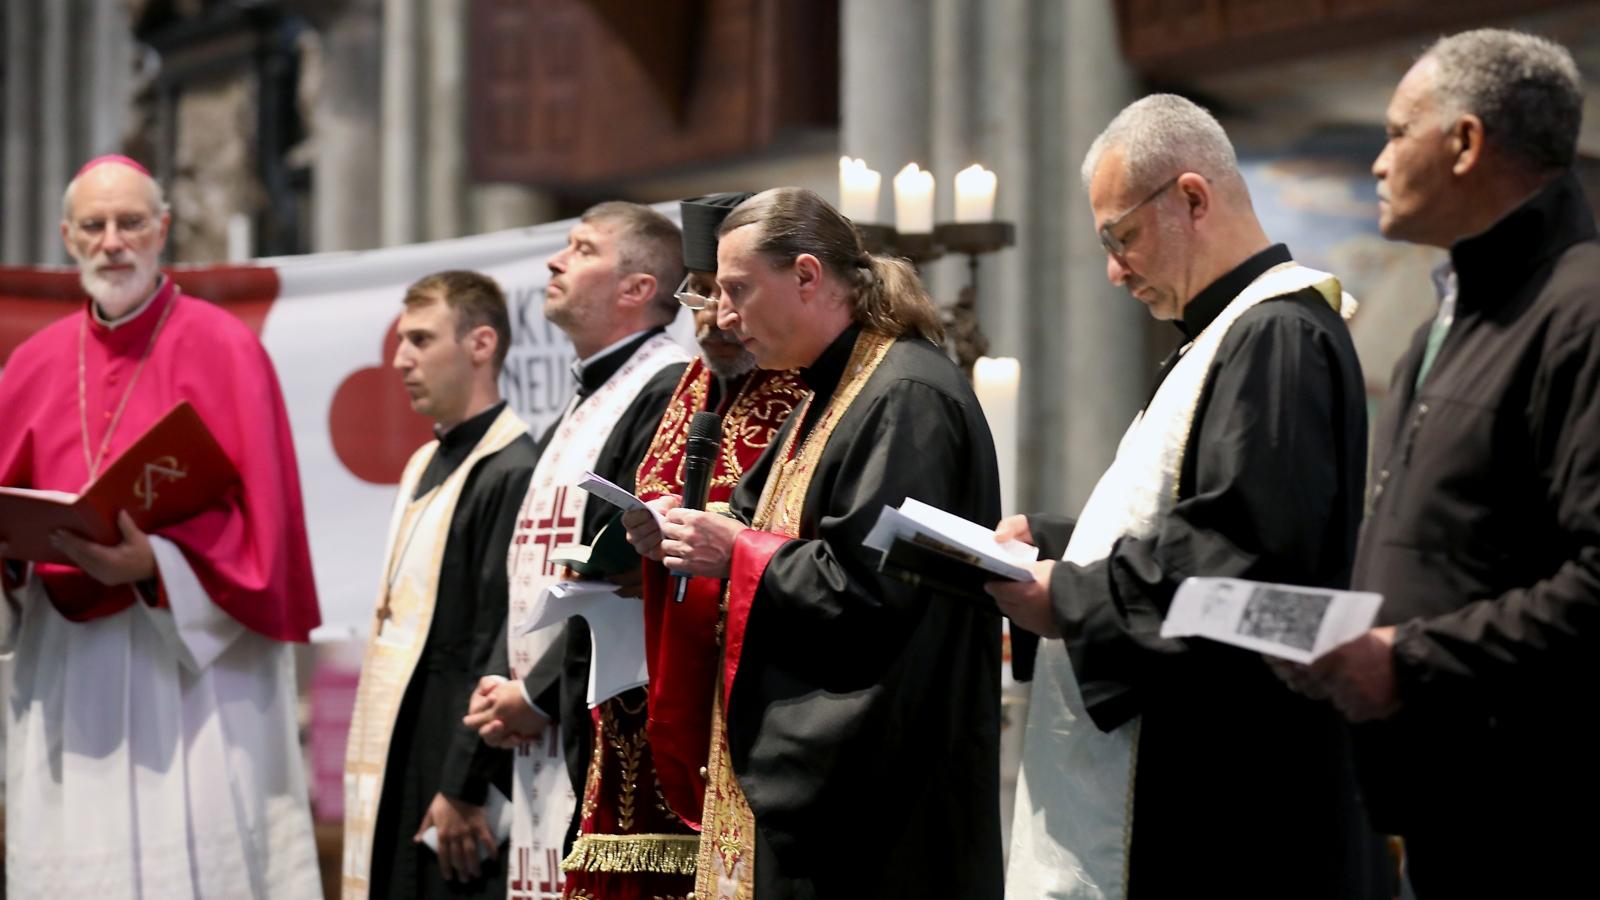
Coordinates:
(496, 207)
(22, 130)
(1105, 372)
(885, 99)
(54, 137)
(402, 124)
(445, 132)
(105, 95)
(345, 126)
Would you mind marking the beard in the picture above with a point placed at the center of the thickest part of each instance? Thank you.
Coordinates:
(117, 292)
(724, 355)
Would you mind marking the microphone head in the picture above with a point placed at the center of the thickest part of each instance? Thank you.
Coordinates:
(706, 426)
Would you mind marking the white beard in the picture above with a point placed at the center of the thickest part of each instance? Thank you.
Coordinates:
(118, 292)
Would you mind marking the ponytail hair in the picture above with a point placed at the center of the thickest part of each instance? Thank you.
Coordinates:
(886, 295)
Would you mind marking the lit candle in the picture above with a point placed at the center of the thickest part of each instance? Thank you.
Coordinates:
(975, 194)
(913, 200)
(858, 190)
(995, 381)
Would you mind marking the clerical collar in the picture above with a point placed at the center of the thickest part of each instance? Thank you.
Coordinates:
(468, 431)
(592, 372)
(1215, 297)
(824, 373)
(131, 315)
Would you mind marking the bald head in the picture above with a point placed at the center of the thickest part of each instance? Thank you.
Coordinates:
(114, 224)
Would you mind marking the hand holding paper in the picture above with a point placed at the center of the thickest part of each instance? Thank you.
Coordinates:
(1286, 621)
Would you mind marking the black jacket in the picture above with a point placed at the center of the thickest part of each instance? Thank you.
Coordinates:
(1484, 538)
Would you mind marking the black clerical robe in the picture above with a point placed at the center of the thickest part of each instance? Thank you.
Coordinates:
(1235, 775)
(864, 721)
(558, 682)
(431, 751)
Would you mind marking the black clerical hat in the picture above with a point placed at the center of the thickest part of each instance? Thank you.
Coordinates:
(701, 218)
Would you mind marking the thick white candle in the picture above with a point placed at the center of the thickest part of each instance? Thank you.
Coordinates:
(858, 190)
(995, 381)
(975, 194)
(913, 200)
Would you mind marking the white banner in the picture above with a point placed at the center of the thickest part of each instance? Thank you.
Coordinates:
(330, 333)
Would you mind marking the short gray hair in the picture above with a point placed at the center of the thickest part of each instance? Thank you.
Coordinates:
(158, 197)
(1525, 88)
(647, 243)
(1161, 136)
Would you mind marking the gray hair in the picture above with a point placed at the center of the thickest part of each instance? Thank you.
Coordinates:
(1525, 88)
(158, 197)
(647, 243)
(1163, 135)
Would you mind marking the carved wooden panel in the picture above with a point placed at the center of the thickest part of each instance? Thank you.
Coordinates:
(1175, 38)
(567, 92)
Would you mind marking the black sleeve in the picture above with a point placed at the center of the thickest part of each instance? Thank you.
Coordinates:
(1050, 533)
(469, 764)
(912, 441)
(1535, 641)
(1262, 490)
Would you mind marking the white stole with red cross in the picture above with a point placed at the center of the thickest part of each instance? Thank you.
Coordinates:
(552, 516)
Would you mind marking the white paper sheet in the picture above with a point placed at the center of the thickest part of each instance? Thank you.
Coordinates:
(616, 627)
(615, 495)
(1287, 621)
(914, 518)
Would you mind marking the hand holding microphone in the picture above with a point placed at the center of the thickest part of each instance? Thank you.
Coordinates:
(699, 459)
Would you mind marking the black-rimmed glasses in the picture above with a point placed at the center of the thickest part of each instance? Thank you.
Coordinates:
(1108, 238)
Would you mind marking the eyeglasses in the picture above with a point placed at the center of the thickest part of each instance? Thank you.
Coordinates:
(1109, 240)
(691, 299)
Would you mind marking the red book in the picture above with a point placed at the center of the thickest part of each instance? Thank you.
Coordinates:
(174, 470)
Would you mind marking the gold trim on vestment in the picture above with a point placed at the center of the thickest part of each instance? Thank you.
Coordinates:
(661, 854)
(403, 619)
(726, 868)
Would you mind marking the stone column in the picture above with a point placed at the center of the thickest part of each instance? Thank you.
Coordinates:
(54, 137)
(402, 123)
(1105, 366)
(885, 100)
(496, 207)
(22, 131)
(105, 95)
(444, 169)
(345, 126)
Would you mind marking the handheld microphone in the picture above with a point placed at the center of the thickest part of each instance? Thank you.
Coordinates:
(699, 458)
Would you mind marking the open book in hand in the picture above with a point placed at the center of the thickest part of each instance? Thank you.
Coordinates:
(944, 552)
(609, 554)
(171, 472)
(1295, 623)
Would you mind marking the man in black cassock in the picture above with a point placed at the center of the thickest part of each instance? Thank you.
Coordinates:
(858, 755)
(1157, 767)
(429, 646)
(611, 292)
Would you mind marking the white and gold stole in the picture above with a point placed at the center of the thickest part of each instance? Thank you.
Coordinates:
(1074, 811)
(552, 516)
(418, 531)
